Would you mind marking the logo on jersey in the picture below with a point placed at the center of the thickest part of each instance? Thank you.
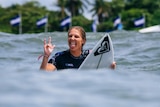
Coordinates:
(69, 65)
(103, 48)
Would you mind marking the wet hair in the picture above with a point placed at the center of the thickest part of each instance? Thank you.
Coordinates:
(81, 30)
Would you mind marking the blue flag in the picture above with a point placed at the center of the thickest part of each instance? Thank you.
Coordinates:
(42, 21)
(65, 22)
(15, 21)
(139, 22)
(117, 21)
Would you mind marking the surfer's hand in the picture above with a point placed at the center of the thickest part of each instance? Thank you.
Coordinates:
(113, 65)
(48, 47)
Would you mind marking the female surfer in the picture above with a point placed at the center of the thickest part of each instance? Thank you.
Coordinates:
(71, 58)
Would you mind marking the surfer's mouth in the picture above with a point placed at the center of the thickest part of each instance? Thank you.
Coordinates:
(72, 44)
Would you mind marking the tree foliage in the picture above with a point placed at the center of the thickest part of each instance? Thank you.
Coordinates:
(105, 10)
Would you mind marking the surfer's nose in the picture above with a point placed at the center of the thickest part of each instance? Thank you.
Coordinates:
(72, 37)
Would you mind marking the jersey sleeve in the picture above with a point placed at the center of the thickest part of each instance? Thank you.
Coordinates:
(53, 59)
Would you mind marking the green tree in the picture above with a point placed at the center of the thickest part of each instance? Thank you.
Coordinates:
(156, 18)
(129, 16)
(116, 7)
(105, 26)
(82, 21)
(74, 6)
(148, 5)
(101, 8)
(128, 9)
(62, 5)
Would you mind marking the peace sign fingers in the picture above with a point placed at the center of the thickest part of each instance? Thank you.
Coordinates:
(48, 47)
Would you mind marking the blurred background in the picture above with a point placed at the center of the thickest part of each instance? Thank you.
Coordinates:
(35, 16)
(134, 83)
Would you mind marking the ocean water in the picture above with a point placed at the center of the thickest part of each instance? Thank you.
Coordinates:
(134, 83)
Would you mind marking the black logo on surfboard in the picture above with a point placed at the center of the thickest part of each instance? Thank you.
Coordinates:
(104, 47)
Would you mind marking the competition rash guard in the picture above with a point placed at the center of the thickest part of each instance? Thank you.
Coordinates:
(65, 60)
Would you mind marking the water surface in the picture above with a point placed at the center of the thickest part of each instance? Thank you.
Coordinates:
(134, 83)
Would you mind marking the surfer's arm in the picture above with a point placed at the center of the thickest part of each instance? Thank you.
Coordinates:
(113, 65)
(48, 48)
(47, 66)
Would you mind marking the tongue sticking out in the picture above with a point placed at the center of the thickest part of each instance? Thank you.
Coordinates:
(72, 44)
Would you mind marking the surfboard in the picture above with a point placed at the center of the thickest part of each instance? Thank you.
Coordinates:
(101, 56)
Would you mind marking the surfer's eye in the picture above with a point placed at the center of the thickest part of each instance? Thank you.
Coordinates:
(70, 36)
(73, 36)
(76, 36)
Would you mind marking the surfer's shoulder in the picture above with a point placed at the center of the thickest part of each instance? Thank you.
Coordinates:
(61, 53)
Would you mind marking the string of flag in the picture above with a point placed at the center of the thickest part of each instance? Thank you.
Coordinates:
(66, 22)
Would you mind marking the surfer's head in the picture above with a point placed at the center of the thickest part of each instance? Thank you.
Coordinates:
(76, 39)
(81, 31)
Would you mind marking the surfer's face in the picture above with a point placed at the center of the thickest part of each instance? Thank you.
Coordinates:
(75, 40)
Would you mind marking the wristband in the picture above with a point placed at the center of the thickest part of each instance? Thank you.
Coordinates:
(43, 55)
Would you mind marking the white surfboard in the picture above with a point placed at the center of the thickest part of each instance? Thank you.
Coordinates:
(101, 56)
